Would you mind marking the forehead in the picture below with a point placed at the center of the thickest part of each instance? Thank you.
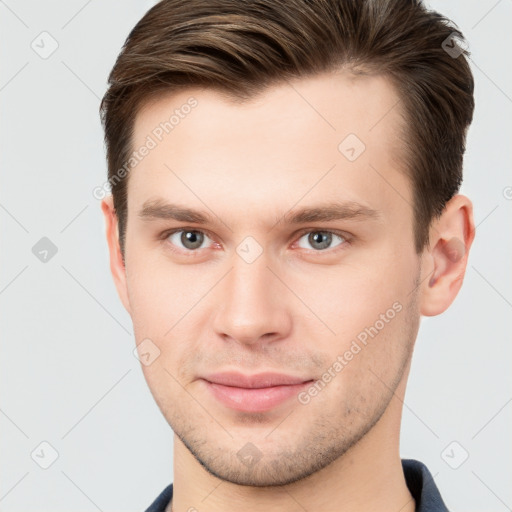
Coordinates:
(332, 136)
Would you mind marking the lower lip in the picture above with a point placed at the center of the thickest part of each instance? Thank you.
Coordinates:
(254, 400)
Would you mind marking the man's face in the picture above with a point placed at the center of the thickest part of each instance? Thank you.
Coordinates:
(250, 292)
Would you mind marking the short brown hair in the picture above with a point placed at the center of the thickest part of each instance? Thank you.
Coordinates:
(240, 47)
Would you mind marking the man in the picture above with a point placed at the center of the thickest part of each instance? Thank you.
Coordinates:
(284, 210)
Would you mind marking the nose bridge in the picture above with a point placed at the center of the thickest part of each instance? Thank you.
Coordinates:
(250, 282)
(250, 307)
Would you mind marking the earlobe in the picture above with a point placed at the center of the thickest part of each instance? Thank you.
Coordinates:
(117, 266)
(445, 262)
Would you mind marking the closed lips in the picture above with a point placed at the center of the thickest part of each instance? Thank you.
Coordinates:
(256, 381)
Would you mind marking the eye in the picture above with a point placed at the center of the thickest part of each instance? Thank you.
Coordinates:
(190, 239)
(321, 240)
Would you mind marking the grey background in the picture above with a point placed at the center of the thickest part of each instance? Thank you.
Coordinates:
(68, 375)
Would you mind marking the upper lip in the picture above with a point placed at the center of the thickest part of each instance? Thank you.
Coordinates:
(260, 380)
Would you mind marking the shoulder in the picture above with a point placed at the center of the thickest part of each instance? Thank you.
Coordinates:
(422, 487)
(162, 500)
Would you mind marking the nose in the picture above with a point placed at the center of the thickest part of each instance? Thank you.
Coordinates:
(253, 304)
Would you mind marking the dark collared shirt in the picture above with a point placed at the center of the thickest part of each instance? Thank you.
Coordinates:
(418, 478)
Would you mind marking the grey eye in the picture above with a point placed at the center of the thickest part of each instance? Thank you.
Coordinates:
(320, 240)
(189, 239)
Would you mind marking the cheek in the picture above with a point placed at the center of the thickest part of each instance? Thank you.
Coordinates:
(365, 370)
(351, 299)
(374, 319)
(168, 394)
(159, 294)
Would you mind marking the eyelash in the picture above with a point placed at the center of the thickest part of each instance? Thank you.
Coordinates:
(191, 253)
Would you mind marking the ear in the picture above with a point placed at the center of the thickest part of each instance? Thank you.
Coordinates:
(444, 262)
(117, 266)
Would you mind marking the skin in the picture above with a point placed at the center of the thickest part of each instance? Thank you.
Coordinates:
(298, 305)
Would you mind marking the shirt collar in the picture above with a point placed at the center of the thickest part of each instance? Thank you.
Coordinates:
(417, 477)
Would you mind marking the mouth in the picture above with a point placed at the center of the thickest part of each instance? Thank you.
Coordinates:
(254, 393)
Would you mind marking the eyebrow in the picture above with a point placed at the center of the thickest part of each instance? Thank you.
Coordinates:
(346, 210)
